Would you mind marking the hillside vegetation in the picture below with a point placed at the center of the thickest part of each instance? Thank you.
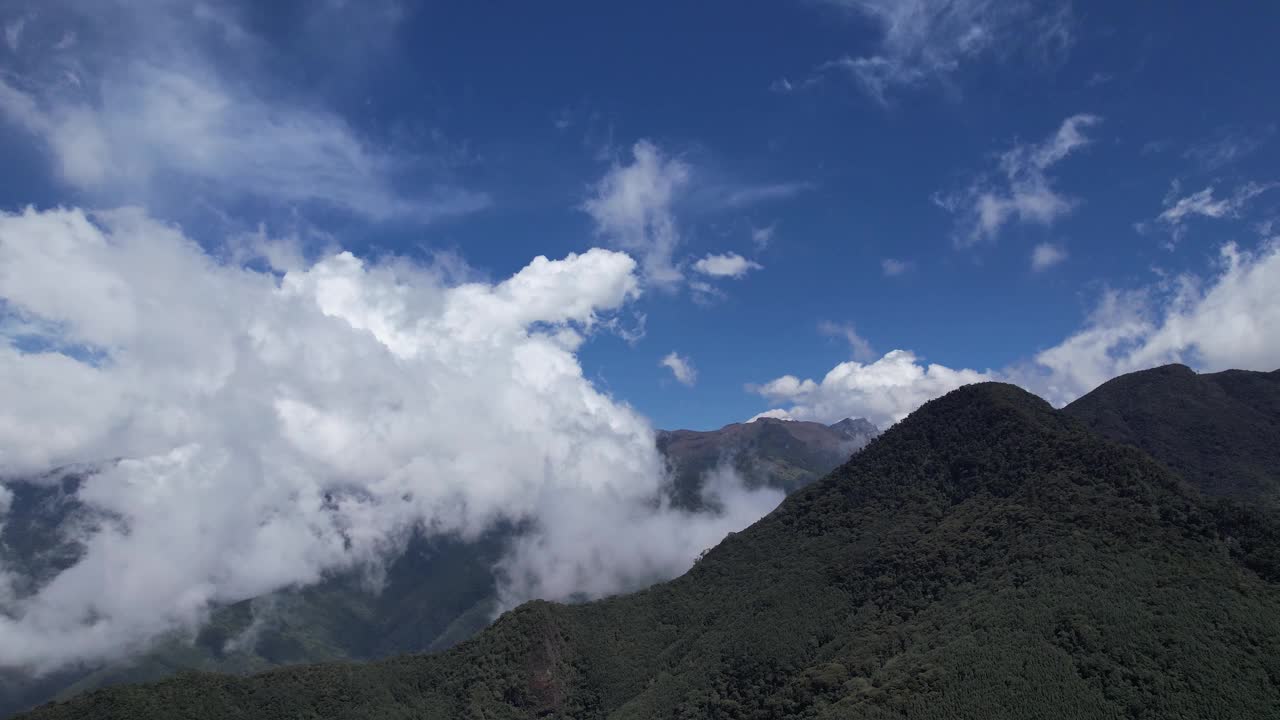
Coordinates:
(988, 557)
(1220, 431)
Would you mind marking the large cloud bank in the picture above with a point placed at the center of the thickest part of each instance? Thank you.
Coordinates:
(278, 424)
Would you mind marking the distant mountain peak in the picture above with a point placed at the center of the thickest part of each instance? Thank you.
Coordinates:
(855, 427)
(773, 452)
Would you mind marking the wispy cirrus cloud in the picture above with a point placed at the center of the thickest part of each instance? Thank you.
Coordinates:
(13, 32)
(148, 102)
(643, 204)
(893, 267)
(858, 345)
(1045, 255)
(1021, 190)
(746, 195)
(927, 41)
(761, 237)
(1205, 203)
(1227, 145)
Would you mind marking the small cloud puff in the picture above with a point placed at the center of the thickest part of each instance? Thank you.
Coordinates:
(1046, 255)
(681, 367)
(726, 265)
(894, 268)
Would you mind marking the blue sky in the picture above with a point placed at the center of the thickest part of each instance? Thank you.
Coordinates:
(858, 138)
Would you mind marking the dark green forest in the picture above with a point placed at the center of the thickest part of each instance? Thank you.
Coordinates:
(1220, 431)
(988, 557)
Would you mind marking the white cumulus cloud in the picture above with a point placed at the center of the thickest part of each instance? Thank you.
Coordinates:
(725, 265)
(681, 368)
(278, 426)
(632, 209)
(775, 414)
(1230, 319)
(1226, 318)
(884, 391)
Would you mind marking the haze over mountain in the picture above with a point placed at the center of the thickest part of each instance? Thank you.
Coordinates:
(786, 455)
(435, 593)
(987, 557)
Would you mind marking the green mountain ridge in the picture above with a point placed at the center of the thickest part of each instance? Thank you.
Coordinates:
(1220, 431)
(987, 557)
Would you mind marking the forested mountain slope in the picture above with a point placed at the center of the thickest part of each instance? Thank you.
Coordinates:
(987, 557)
(1221, 431)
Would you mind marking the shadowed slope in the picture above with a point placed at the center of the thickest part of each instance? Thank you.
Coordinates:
(1221, 431)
